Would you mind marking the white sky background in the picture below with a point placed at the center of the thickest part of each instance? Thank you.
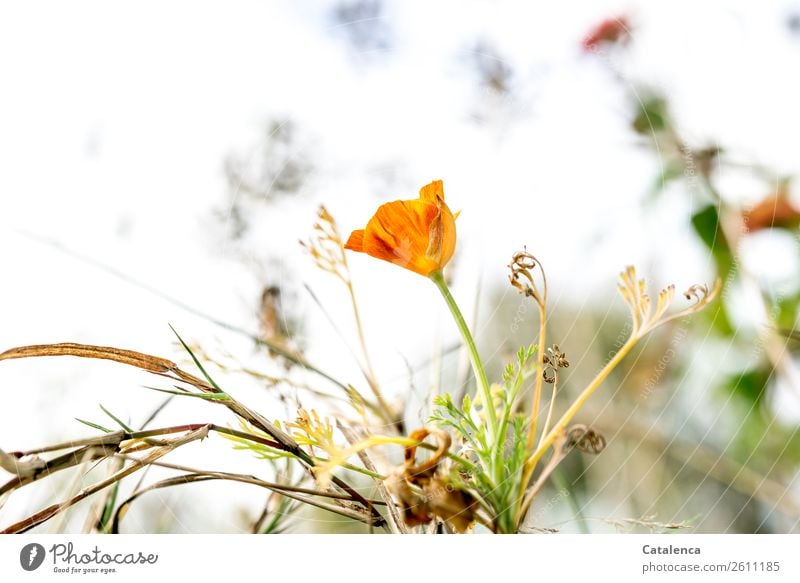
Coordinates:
(114, 124)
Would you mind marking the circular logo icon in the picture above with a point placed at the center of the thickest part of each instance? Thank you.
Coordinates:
(31, 556)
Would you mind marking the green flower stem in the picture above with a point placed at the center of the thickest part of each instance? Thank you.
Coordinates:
(477, 365)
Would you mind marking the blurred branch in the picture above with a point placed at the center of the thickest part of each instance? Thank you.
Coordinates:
(710, 463)
(280, 350)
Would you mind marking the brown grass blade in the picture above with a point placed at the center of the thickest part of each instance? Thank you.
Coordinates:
(129, 357)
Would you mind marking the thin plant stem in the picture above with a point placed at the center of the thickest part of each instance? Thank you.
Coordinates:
(562, 484)
(352, 468)
(558, 457)
(286, 353)
(530, 465)
(546, 425)
(537, 391)
(475, 359)
(393, 518)
(386, 409)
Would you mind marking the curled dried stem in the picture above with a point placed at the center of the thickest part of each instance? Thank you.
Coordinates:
(522, 278)
(522, 266)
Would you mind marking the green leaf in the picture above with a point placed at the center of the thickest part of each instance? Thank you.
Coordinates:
(116, 419)
(671, 171)
(717, 317)
(94, 425)
(197, 362)
(508, 373)
(706, 224)
(106, 519)
(651, 117)
(206, 396)
(787, 311)
(750, 385)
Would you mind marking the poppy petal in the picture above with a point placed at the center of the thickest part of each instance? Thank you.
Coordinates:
(419, 235)
(399, 233)
(432, 192)
(356, 241)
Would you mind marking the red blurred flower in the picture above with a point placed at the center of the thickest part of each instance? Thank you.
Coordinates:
(609, 31)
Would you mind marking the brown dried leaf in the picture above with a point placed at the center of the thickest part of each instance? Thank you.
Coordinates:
(456, 507)
(129, 357)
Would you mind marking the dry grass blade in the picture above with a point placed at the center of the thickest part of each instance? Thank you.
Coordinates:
(129, 357)
(156, 365)
(283, 489)
(20, 466)
(122, 509)
(68, 460)
(396, 523)
(255, 481)
(54, 509)
(167, 368)
(275, 347)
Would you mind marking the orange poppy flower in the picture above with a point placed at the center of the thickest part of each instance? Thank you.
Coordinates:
(419, 235)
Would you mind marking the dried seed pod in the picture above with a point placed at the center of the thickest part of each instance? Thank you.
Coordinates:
(585, 439)
(553, 359)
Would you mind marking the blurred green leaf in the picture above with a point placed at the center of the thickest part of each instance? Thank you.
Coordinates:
(750, 385)
(786, 313)
(651, 116)
(706, 224)
(716, 316)
(669, 173)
